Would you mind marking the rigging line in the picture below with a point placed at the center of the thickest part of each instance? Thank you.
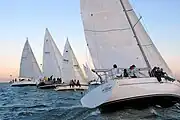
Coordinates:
(137, 22)
(109, 30)
(134, 33)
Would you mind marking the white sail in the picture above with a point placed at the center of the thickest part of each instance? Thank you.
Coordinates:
(52, 58)
(89, 74)
(71, 68)
(67, 65)
(89, 61)
(151, 52)
(29, 67)
(110, 38)
(85, 72)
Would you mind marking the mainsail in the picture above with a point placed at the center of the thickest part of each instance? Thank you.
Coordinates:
(112, 32)
(29, 67)
(52, 57)
(71, 68)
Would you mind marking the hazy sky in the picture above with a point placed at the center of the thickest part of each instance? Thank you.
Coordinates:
(29, 18)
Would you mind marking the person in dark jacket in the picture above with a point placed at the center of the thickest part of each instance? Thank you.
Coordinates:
(153, 72)
(125, 73)
(78, 83)
(158, 74)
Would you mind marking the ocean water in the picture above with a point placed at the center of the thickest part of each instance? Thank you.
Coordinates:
(30, 103)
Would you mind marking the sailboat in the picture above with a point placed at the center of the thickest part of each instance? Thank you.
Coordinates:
(91, 77)
(71, 70)
(52, 57)
(52, 60)
(115, 35)
(29, 70)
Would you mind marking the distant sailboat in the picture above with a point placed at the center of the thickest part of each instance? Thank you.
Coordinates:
(71, 70)
(29, 69)
(115, 35)
(52, 57)
(91, 77)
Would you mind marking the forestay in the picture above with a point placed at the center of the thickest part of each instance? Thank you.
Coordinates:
(29, 67)
(110, 38)
(52, 58)
(71, 68)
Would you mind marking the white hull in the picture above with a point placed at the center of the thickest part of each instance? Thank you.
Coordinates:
(68, 88)
(24, 83)
(123, 89)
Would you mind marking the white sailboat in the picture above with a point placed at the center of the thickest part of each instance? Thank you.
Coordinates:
(91, 77)
(52, 62)
(71, 70)
(115, 35)
(29, 69)
(52, 57)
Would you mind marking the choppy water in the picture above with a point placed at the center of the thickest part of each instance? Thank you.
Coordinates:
(30, 103)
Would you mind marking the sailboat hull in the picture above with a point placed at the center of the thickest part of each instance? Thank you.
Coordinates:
(68, 88)
(128, 92)
(140, 102)
(24, 83)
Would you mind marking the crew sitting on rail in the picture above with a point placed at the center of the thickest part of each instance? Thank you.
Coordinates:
(71, 84)
(159, 73)
(152, 73)
(59, 80)
(125, 73)
(132, 71)
(78, 83)
(165, 75)
(116, 72)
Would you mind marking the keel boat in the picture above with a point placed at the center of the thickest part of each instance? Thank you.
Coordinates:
(115, 35)
(29, 70)
(71, 70)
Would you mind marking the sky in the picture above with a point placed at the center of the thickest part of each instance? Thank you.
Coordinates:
(29, 18)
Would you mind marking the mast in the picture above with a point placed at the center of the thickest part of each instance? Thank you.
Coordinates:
(134, 33)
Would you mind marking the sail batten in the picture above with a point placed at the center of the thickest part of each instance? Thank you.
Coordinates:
(28, 66)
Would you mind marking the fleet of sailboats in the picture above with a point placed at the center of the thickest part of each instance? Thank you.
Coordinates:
(55, 66)
(114, 36)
